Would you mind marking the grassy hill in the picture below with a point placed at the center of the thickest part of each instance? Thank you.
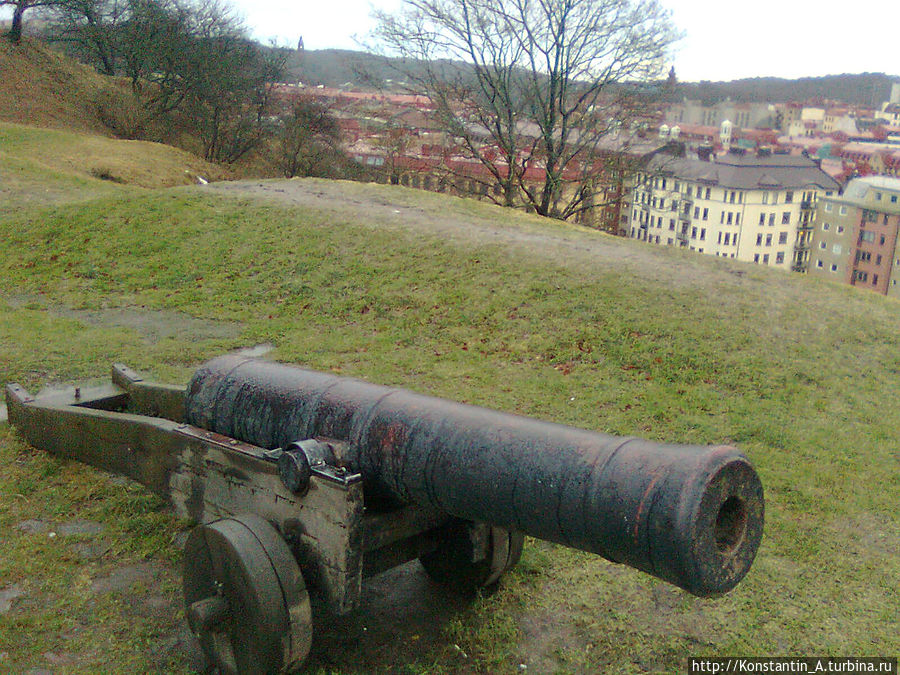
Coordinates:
(43, 88)
(458, 299)
(60, 163)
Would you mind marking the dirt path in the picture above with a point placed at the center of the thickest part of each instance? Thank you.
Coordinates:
(418, 211)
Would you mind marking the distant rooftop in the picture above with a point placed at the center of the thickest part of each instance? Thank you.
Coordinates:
(859, 187)
(749, 171)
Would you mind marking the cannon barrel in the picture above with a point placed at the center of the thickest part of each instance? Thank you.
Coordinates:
(690, 515)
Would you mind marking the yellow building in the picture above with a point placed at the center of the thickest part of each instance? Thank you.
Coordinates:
(755, 208)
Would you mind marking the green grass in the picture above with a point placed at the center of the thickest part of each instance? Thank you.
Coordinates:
(40, 163)
(802, 375)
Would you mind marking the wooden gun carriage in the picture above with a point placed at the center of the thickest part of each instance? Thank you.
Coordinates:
(307, 482)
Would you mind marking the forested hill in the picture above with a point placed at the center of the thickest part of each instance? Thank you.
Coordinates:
(861, 89)
(335, 67)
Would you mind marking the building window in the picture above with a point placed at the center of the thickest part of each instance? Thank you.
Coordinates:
(705, 214)
(693, 233)
(878, 259)
(894, 201)
(866, 236)
(672, 224)
(826, 227)
(727, 238)
(786, 218)
(759, 240)
(836, 249)
(788, 197)
(843, 210)
(769, 239)
(669, 241)
(731, 200)
(840, 229)
(730, 216)
(762, 218)
(699, 192)
(756, 258)
(766, 259)
(834, 268)
(720, 238)
(877, 196)
(828, 207)
(696, 212)
(737, 218)
(863, 256)
(722, 218)
(702, 234)
(819, 264)
(823, 245)
(771, 219)
(874, 279)
(782, 237)
(765, 199)
(779, 258)
(708, 193)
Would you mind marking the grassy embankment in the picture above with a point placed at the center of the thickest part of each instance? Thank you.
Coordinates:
(802, 375)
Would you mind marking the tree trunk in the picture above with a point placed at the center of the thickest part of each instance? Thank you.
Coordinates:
(15, 30)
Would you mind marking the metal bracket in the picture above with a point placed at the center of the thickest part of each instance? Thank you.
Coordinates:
(300, 460)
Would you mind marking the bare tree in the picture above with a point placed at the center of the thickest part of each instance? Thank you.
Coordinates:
(550, 83)
(189, 61)
(92, 30)
(19, 8)
(309, 139)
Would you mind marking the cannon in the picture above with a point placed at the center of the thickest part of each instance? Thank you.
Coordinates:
(304, 482)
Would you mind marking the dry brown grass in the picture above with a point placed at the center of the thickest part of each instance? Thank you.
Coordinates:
(31, 153)
(43, 88)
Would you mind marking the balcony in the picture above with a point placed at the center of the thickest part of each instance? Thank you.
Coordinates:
(802, 245)
(682, 237)
(806, 204)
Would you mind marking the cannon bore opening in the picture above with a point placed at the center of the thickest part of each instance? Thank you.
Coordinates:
(731, 525)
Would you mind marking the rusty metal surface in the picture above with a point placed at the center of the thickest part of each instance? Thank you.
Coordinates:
(690, 515)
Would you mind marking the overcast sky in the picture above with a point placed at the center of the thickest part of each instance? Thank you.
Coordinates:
(723, 40)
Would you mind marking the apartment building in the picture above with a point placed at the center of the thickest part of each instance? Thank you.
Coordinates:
(855, 238)
(753, 207)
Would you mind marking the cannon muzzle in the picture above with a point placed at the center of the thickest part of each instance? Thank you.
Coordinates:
(691, 515)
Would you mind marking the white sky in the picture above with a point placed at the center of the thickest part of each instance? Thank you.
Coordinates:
(723, 40)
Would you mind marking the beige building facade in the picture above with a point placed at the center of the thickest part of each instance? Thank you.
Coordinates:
(758, 209)
(856, 235)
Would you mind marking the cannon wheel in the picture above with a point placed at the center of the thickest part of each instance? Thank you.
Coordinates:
(472, 556)
(245, 597)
